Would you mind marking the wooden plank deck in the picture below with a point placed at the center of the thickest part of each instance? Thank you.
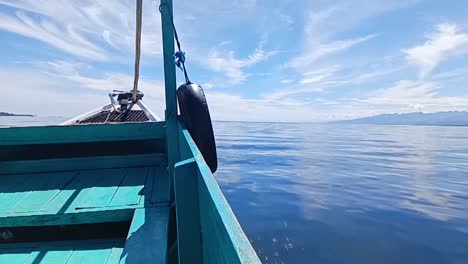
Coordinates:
(85, 251)
(139, 195)
(49, 197)
(87, 174)
(146, 243)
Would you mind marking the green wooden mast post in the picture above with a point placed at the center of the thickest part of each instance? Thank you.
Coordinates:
(172, 137)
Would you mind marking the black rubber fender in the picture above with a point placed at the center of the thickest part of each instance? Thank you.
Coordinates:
(196, 117)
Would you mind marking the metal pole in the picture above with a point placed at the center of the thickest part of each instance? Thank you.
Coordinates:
(172, 135)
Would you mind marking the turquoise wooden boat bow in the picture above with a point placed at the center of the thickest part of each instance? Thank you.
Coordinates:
(118, 185)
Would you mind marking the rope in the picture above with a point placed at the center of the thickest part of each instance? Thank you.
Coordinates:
(137, 49)
(179, 55)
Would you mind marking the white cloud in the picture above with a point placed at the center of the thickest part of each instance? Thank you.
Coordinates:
(47, 32)
(446, 41)
(231, 67)
(326, 19)
(403, 97)
(313, 81)
(318, 76)
(37, 93)
(60, 88)
(287, 81)
(406, 91)
(321, 26)
(73, 72)
(409, 96)
(325, 23)
(225, 106)
(287, 20)
(208, 85)
(457, 73)
(336, 46)
(69, 93)
(91, 30)
(95, 30)
(316, 20)
(317, 51)
(377, 71)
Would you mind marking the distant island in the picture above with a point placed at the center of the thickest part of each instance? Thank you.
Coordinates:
(11, 114)
(453, 118)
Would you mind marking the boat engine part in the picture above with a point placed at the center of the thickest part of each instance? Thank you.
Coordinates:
(124, 98)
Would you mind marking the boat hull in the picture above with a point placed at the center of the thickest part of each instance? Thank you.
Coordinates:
(82, 176)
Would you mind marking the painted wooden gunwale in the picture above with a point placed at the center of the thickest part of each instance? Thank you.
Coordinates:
(82, 133)
(218, 227)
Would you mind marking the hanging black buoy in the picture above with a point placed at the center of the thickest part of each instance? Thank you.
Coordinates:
(197, 120)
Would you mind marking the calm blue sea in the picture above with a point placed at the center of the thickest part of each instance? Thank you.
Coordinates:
(310, 193)
(333, 193)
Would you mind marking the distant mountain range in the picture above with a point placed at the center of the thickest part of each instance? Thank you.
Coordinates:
(454, 118)
(11, 114)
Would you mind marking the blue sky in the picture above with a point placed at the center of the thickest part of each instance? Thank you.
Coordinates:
(258, 60)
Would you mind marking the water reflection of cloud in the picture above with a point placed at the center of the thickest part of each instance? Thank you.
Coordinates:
(386, 167)
(432, 193)
(374, 187)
